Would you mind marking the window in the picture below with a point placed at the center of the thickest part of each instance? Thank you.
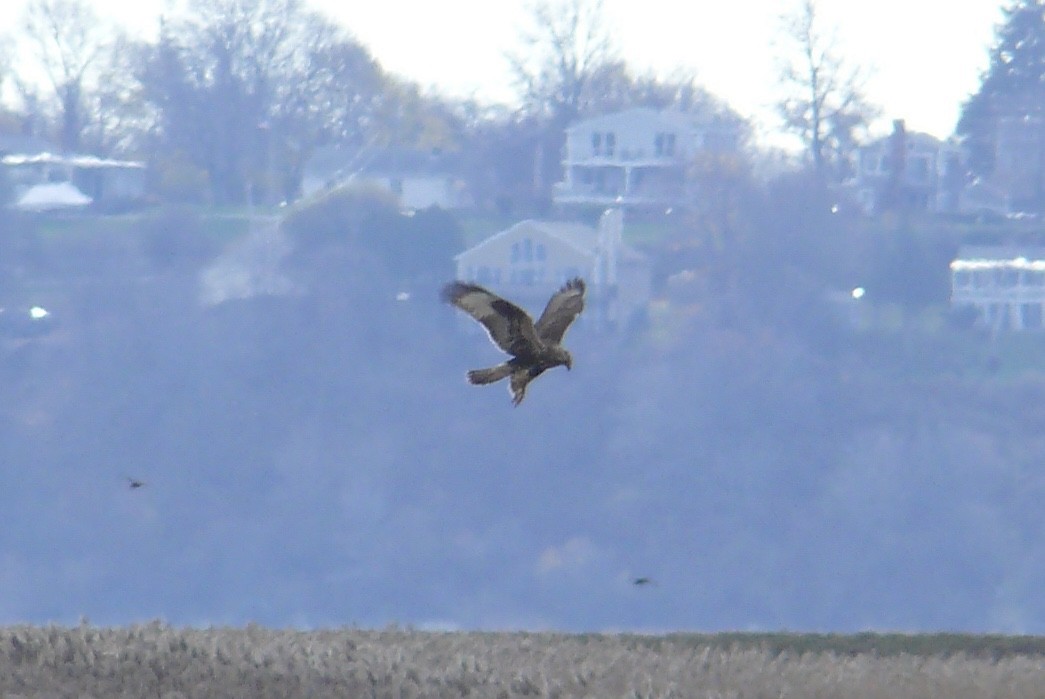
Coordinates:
(515, 252)
(596, 143)
(664, 145)
(918, 169)
(611, 143)
(528, 250)
(542, 252)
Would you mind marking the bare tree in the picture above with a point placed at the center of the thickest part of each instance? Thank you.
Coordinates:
(118, 118)
(66, 39)
(567, 47)
(825, 106)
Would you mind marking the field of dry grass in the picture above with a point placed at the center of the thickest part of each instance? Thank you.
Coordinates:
(156, 660)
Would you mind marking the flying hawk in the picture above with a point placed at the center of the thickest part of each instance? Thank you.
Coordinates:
(534, 347)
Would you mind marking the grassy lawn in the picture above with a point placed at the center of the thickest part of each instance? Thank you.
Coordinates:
(159, 660)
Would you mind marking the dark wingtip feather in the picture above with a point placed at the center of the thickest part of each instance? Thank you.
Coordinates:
(575, 283)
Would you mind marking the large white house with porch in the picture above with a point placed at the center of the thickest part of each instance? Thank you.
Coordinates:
(1005, 284)
(637, 158)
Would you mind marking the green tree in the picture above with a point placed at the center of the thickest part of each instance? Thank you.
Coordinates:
(245, 89)
(1011, 90)
(365, 223)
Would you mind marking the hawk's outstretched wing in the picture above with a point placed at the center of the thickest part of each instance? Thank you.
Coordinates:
(565, 305)
(509, 326)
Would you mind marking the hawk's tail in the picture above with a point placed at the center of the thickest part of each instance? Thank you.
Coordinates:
(483, 376)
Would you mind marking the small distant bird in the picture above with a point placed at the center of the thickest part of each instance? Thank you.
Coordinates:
(640, 582)
(534, 347)
(134, 483)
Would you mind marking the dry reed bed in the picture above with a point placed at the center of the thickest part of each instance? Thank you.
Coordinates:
(156, 660)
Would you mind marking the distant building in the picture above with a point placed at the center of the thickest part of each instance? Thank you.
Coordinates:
(638, 158)
(105, 182)
(532, 259)
(1006, 285)
(911, 171)
(418, 179)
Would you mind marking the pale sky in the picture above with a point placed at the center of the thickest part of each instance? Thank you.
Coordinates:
(925, 56)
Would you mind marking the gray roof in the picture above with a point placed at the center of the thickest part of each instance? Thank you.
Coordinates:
(584, 239)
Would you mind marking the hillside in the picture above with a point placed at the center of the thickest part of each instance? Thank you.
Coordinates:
(312, 455)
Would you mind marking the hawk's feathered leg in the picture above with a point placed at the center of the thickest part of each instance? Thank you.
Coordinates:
(520, 379)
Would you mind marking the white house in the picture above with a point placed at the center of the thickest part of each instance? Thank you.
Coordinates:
(637, 158)
(911, 170)
(532, 259)
(103, 181)
(1006, 285)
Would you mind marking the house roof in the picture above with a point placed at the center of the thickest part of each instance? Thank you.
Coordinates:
(578, 236)
(641, 115)
(331, 160)
(414, 162)
(997, 256)
(584, 239)
(81, 161)
(915, 140)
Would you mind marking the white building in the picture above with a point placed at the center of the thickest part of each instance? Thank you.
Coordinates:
(910, 170)
(103, 181)
(1006, 285)
(532, 259)
(637, 158)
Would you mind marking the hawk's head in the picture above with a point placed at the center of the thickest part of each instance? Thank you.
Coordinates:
(562, 356)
